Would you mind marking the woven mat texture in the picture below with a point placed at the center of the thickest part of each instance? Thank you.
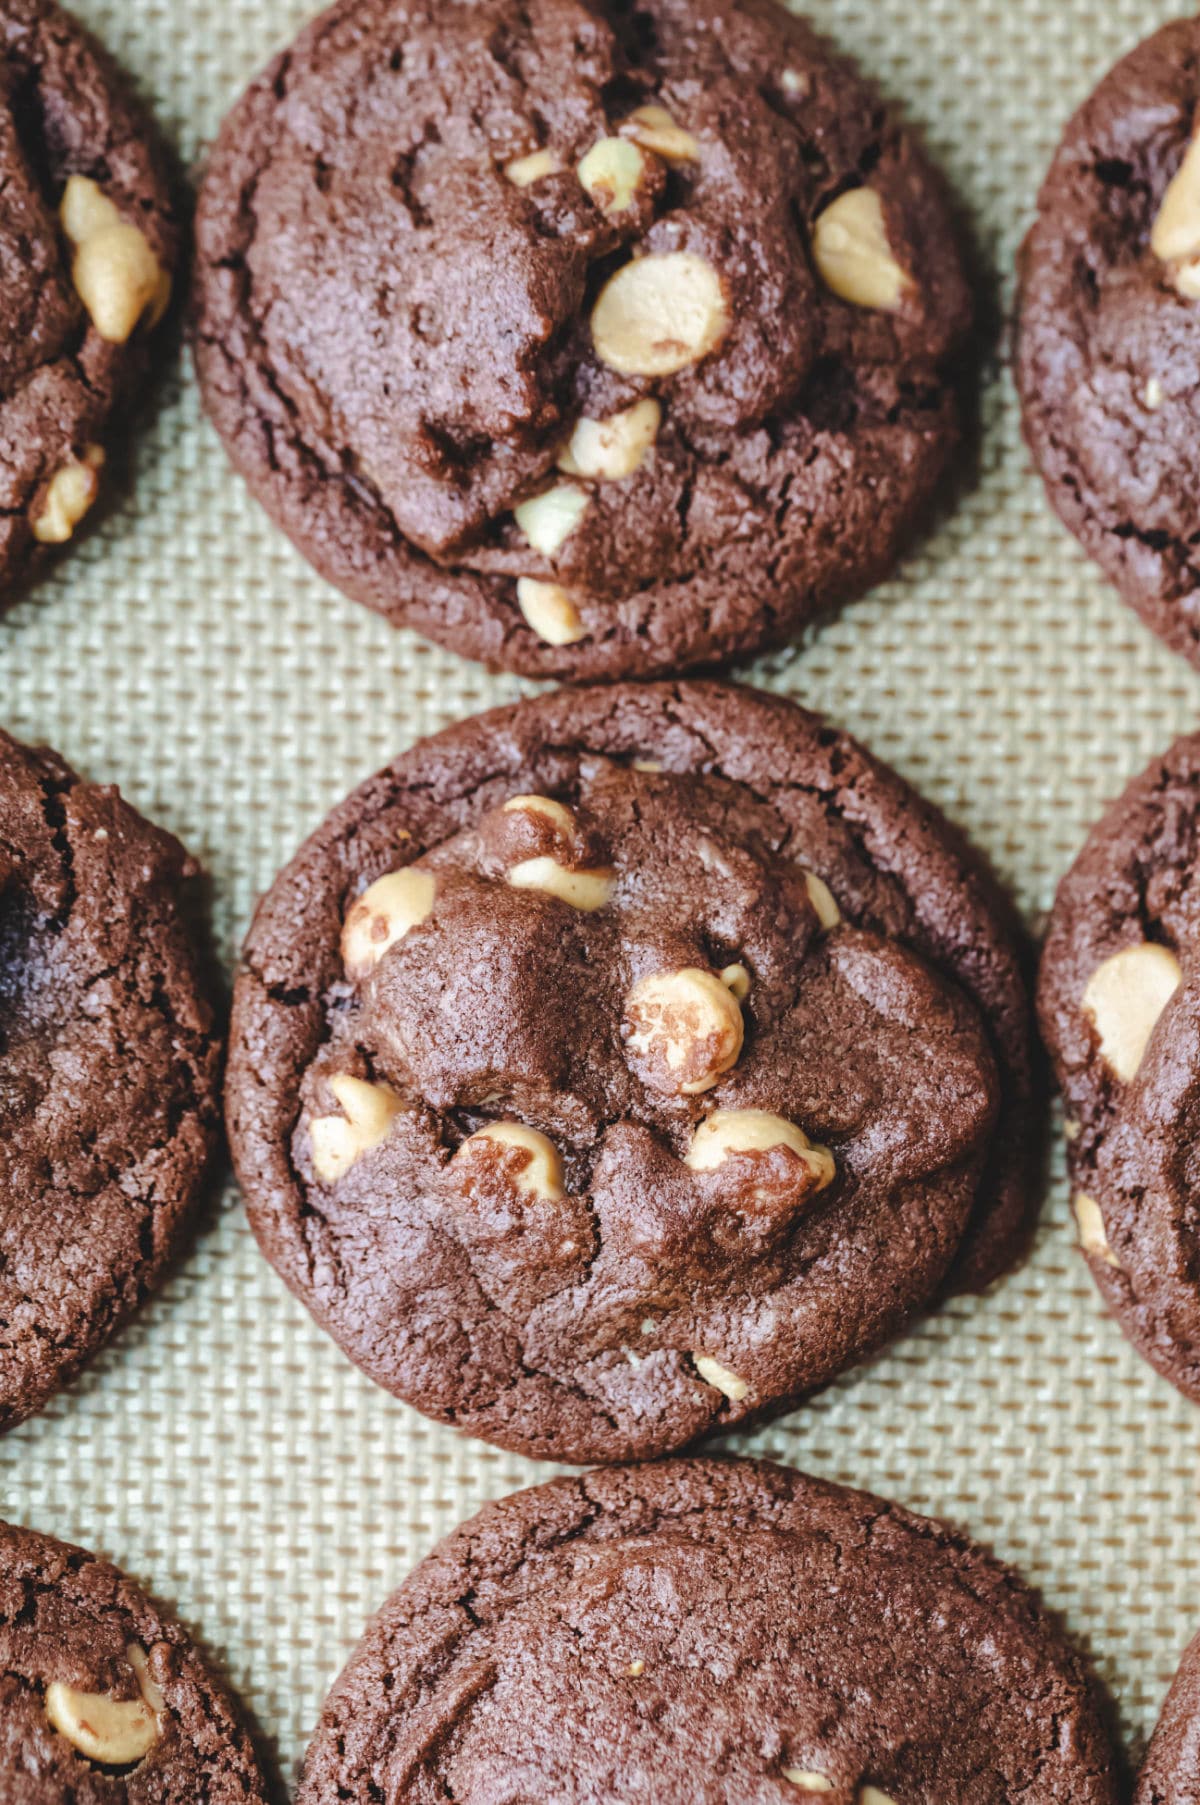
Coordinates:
(223, 1450)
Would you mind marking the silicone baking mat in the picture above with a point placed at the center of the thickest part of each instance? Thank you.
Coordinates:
(223, 1450)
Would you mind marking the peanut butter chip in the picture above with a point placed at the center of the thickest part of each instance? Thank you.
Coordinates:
(737, 979)
(583, 890)
(1175, 236)
(385, 912)
(659, 314)
(549, 519)
(586, 888)
(807, 1780)
(822, 899)
(654, 128)
(549, 612)
(686, 1026)
(116, 273)
(1125, 997)
(720, 1378)
(730, 1131)
(871, 1795)
(523, 172)
(542, 1174)
(560, 817)
(1092, 1236)
(614, 174)
(337, 1141)
(852, 252)
(608, 450)
(114, 1731)
(71, 493)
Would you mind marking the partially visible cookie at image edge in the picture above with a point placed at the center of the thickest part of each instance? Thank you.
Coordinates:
(109, 1062)
(1170, 1772)
(88, 244)
(587, 341)
(618, 1066)
(721, 1630)
(1119, 1002)
(1109, 331)
(102, 1695)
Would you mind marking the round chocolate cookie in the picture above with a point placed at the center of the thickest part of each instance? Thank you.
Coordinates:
(619, 1066)
(1119, 1001)
(87, 245)
(103, 1699)
(1170, 1774)
(1109, 334)
(108, 1068)
(709, 1631)
(588, 339)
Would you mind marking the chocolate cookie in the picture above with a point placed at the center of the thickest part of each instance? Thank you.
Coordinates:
(102, 1696)
(108, 1068)
(619, 1066)
(587, 339)
(87, 246)
(1119, 1000)
(1170, 1774)
(1109, 333)
(706, 1631)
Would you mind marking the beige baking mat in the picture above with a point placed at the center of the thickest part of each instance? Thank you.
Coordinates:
(224, 1451)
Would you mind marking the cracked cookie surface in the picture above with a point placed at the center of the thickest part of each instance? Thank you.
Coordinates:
(619, 1066)
(103, 1699)
(88, 242)
(529, 323)
(1119, 1003)
(709, 1631)
(1109, 331)
(108, 1068)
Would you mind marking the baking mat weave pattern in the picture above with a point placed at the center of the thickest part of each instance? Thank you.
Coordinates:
(223, 1450)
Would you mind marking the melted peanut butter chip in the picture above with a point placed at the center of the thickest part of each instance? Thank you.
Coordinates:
(1175, 236)
(549, 519)
(386, 911)
(720, 1378)
(730, 1131)
(338, 1141)
(1125, 997)
(541, 1175)
(115, 1732)
(852, 253)
(1093, 1237)
(549, 612)
(686, 1029)
(659, 314)
(116, 273)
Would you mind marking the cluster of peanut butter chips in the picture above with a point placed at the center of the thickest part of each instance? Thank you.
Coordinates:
(88, 243)
(617, 1067)
(622, 1065)
(590, 340)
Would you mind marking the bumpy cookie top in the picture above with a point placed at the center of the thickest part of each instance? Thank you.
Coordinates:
(103, 1699)
(87, 244)
(703, 1632)
(585, 338)
(1120, 1011)
(612, 1067)
(1110, 330)
(108, 1068)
